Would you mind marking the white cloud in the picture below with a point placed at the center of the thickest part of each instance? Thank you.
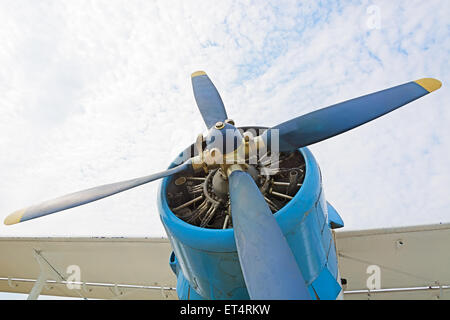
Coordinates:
(93, 92)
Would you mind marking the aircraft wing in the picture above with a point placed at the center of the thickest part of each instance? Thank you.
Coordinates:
(411, 262)
(107, 268)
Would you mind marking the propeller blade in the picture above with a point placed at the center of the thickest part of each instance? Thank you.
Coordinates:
(331, 121)
(208, 99)
(268, 265)
(83, 197)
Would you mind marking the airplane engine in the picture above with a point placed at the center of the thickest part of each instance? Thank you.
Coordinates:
(244, 208)
(195, 211)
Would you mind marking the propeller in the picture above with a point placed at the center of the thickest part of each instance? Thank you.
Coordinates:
(86, 196)
(268, 265)
(331, 121)
(208, 99)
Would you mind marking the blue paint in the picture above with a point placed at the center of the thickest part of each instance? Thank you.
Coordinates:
(326, 286)
(208, 100)
(207, 258)
(227, 139)
(263, 250)
(331, 121)
(335, 220)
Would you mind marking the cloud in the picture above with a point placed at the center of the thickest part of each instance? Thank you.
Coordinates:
(93, 92)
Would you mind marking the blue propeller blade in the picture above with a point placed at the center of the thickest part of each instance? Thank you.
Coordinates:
(331, 121)
(86, 196)
(268, 265)
(208, 99)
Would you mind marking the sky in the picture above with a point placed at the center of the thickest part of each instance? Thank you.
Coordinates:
(95, 92)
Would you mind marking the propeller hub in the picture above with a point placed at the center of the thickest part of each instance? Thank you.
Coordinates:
(219, 125)
(220, 179)
(224, 137)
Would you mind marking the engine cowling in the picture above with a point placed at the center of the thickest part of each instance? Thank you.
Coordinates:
(205, 259)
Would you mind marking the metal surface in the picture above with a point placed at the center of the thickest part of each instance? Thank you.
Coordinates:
(269, 267)
(418, 269)
(208, 99)
(208, 262)
(85, 196)
(206, 259)
(410, 259)
(331, 121)
(136, 267)
(192, 199)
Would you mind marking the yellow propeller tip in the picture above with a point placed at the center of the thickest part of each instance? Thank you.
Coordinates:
(14, 217)
(429, 84)
(198, 73)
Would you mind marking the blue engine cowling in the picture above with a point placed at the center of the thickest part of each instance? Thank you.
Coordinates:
(206, 261)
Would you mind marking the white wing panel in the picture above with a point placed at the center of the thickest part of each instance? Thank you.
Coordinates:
(134, 268)
(414, 262)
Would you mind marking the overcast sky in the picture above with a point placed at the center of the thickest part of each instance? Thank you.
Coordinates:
(94, 92)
